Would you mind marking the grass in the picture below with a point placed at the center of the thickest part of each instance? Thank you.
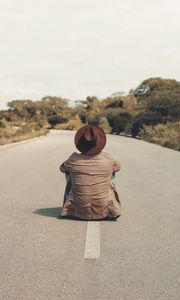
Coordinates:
(12, 134)
(167, 135)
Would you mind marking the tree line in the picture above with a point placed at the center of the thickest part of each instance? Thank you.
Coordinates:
(150, 112)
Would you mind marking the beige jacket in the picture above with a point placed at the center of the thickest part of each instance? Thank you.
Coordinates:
(93, 195)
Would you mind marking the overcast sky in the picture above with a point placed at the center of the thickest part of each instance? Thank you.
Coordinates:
(76, 48)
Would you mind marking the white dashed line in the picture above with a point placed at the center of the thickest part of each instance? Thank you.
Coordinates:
(92, 246)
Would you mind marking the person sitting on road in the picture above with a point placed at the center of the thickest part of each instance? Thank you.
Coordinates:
(90, 192)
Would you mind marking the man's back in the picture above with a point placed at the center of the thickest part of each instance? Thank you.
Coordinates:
(92, 191)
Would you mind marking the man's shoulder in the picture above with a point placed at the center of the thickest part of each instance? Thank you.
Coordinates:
(73, 156)
(80, 156)
(106, 155)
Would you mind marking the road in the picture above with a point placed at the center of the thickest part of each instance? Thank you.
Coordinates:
(43, 257)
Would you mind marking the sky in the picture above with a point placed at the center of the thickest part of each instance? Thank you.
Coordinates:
(80, 48)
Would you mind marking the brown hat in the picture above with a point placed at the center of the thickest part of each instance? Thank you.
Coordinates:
(90, 139)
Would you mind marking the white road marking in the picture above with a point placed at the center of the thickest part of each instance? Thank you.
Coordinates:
(92, 246)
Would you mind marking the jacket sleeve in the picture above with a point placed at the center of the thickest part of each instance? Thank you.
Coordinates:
(116, 166)
(66, 165)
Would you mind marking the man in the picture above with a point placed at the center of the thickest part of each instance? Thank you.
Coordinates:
(92, 195)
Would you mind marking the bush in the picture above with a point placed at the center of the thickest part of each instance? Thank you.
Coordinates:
(73, 124)
(57, 119)
(111, 115)
(121, 122)
(118, 120)
(167, 135)
(115, 103)
(93, 118)
(165, 106)
(104, 125)
(145, 118)
(83, 117)
(3, 123)
(11, 134)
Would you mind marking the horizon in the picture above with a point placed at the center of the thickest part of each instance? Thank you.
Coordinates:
(71, 102)
(74, 50)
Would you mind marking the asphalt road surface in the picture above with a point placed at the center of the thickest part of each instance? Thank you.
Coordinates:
(43, 257)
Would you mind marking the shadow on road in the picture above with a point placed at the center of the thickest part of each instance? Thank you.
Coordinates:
(53, 212)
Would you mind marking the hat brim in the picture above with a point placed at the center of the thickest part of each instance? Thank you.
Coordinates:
(95, 149)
